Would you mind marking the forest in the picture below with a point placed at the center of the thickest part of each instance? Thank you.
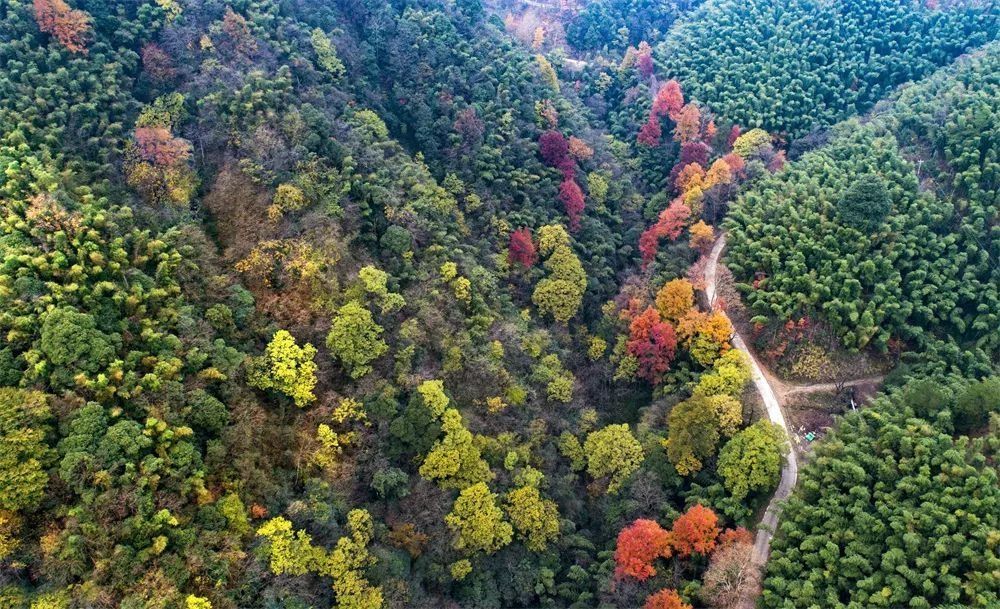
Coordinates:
(494, 304)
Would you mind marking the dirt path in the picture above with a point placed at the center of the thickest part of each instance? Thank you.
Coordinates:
(790, 469)
(788, 389)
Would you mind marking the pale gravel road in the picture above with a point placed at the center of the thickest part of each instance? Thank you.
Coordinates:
(790, 469)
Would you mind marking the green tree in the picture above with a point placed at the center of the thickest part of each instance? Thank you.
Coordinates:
(23, 452)
(355, 339)
(477, 521)
(613, 452)
(751, 460)
(534, 518)
(454, 461)
(865, 204)
(287, 368)
(692, 434)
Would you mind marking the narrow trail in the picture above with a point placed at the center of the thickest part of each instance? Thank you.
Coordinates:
(790, 469)
(818, 387)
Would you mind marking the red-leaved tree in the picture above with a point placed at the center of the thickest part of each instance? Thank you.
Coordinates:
(669, 225)
(70, 27)
(650, 132)
(572, 199)
(665, 599)
(639, 545)
(695, 531)
(734, 536)
(669, 100)
(554, 149)
(522, 248)
(734, 133)
(653, 342)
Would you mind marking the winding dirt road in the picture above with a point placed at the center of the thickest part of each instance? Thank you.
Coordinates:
(790, 469)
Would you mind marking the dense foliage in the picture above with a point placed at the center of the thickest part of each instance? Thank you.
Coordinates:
(791, 66)
(893, 511)
(370, 304)
(888, 233)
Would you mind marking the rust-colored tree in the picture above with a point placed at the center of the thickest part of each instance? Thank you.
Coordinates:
(572, 199)
(665, 599)
(695, 531)
(688, 126)
(70, 27)
(669, 100)
(639, 545)
(653, 343)
(157, 63)
(521, 249)
(734, 536)
(157, 146)
(650, 132)
(669, 225)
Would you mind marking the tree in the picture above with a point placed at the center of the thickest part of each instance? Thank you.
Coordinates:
(572, 199)
(197, 602)
(729, 375)
(454, 460)
(613, 452)
(326, 54)
(639, 546)
(751, 143)
(355, 339)
(702, 236)
(692, 434)
(706, 335)
(477, 521)
(731, 580)
(23, 419)
(72, 343)
(561, 293)
(286, 368)
(653, 343)
(548, 72)
(695, 531)
(669, 100)
(751, 460)
(665, 599)
(688, 127)
(579, 150)
(535, 519)
(159, 147)
(975, 403)
(669, 225)
(70, 27)
(522, 248)
(290, 552)
(644, 59)
(675, 299)
(347, 563)
(865, 204)
(650, 133)
(555, 150)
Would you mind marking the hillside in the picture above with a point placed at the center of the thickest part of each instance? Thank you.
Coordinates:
(403, 305)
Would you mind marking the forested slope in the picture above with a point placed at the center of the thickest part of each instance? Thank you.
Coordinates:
(309, 303)
(898, 508)
(889, 232)
(364, 304)
(793, 66)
